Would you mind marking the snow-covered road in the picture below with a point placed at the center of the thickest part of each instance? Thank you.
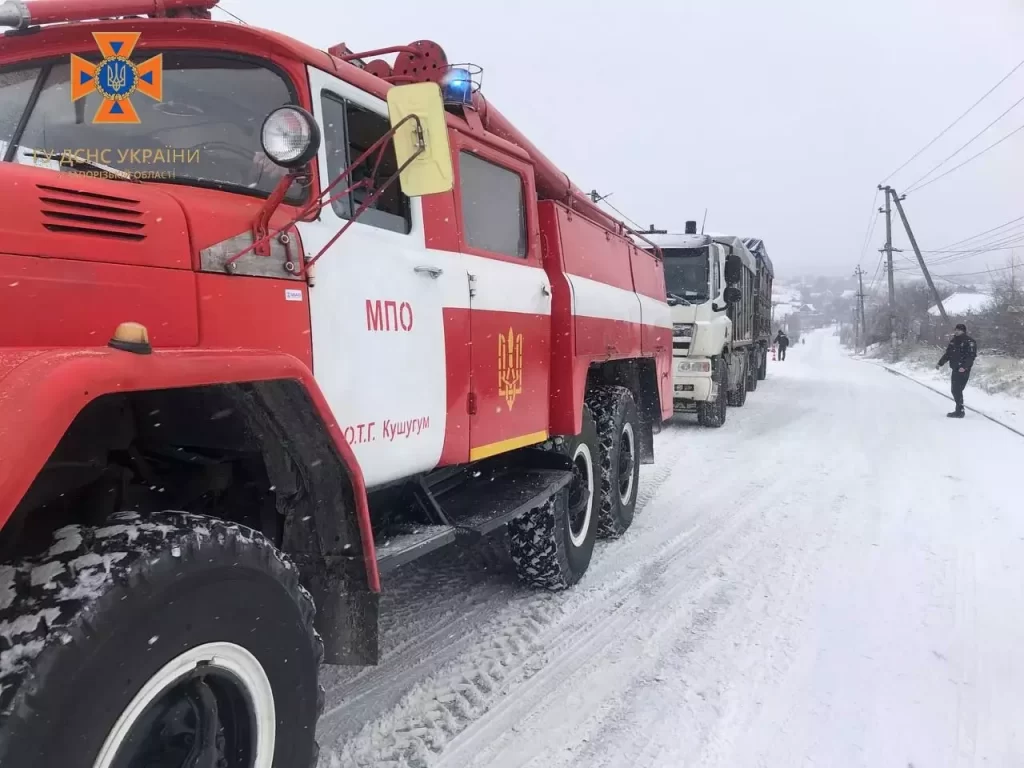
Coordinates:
(835, 578)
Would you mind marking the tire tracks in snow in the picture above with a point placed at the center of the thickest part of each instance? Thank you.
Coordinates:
(613, 663)
(446, 595)
(430, 608)
(543, 634)
(492, 632)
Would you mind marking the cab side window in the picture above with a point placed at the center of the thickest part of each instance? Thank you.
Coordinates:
(350, 130)
(716, 277)
(493, 209)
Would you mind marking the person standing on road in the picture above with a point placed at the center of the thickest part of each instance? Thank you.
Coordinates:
(783, 341)
(960, 354)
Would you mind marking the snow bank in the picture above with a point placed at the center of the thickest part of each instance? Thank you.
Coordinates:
(995, 374)
(996, 388)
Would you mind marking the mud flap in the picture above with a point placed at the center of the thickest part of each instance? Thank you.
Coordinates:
(346, 615)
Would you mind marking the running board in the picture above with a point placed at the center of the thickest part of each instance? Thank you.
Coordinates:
(490, 499)
(412, 543)
(483, 503)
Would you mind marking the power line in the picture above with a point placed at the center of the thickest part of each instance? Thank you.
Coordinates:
(979, 234)
(964, 146)
(970, 159)
(982, 272)
(1007, 244)
(878, 272)
(869, 229)
(988, 241)
(946, 129)
(979, 250)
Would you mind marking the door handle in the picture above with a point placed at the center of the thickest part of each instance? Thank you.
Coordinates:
(545, 291)
(433, 272)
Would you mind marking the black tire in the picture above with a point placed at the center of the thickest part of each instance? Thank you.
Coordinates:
(762, 369)
(753, 366)
(618, 432)
(549, 549)
(98, 618)
(737, 398)
(713, 412)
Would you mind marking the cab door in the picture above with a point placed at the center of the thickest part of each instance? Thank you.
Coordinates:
(510, 301)
(377, 301)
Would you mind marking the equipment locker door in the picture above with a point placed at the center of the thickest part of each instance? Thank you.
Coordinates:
(510, 302)
(376, 303)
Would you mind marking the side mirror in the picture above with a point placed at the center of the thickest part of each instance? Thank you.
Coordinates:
(732, 294)
(421, 144)
(733, 269)
(290, 137)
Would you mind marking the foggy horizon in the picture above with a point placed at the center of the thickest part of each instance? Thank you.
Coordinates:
(780, 120)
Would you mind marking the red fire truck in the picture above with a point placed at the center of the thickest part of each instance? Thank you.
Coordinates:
(274, 320)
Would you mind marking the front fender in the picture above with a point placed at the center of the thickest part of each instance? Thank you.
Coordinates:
(42, 391)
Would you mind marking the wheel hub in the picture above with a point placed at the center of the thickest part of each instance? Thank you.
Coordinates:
(581, 494)
(212, 707)
(627, 463)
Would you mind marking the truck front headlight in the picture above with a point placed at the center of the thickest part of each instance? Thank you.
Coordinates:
(693, 366)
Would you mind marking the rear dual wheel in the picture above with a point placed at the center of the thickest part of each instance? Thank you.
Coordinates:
(618, 428)
(551, 545)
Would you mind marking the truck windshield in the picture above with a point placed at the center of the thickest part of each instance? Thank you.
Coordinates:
(686, 273)
(205, 131)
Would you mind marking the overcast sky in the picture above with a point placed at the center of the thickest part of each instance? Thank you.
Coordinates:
(779, 117)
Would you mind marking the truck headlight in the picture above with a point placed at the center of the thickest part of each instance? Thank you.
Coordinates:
(693, 366)
(290, 136)
(682, 330)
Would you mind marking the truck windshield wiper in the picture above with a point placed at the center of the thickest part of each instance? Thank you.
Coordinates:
(679, 299)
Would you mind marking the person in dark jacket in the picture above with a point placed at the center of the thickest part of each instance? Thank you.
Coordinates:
(783, 341)
(960, 354)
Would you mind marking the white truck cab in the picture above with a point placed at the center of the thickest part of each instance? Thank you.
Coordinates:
(708, 280)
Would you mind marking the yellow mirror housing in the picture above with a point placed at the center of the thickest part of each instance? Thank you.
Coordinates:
(431, 171)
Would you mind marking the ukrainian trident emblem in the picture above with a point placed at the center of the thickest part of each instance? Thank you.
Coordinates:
(510, 366)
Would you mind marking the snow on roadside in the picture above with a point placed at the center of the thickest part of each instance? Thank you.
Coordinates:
(995, 374)
(996, 387)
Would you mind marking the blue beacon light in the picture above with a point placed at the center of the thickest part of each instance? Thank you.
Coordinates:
(457, 87)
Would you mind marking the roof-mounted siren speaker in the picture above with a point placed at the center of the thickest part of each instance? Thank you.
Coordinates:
(380, 68)
(459, 83)
(691, 228)
(421, 62)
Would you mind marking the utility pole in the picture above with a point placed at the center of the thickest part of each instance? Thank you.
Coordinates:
(862, 329)
(892, 285)
(917, 252)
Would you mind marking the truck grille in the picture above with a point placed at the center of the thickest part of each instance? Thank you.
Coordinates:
(71, 211)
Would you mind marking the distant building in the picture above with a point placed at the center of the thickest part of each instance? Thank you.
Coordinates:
(963, 303)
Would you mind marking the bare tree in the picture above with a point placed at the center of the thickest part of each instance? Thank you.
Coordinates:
(1003, 319)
